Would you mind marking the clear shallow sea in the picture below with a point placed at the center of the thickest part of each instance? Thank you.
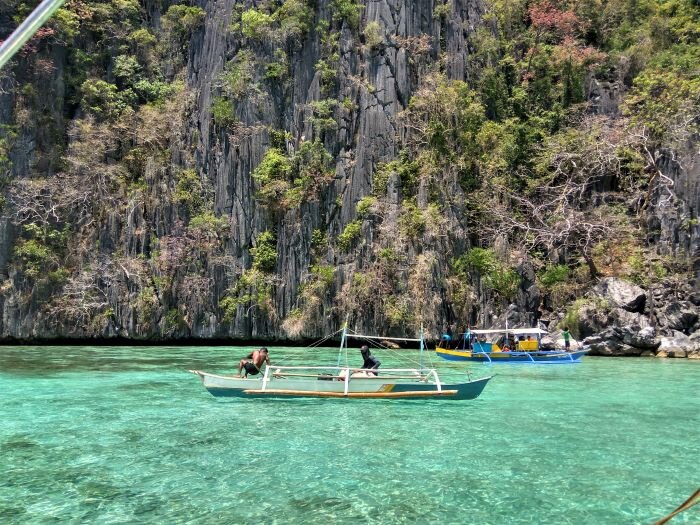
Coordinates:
(125, 435)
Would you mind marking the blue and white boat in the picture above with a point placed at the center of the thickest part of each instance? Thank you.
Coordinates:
(515, 345)
(344, 382)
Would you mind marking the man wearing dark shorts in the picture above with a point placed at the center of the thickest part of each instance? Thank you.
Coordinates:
(567, 338)
(252, 364)
(369, 362)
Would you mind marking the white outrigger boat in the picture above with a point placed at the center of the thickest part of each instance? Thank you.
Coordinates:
(344, 381)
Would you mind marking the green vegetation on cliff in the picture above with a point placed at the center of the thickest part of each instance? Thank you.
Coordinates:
(309, 160)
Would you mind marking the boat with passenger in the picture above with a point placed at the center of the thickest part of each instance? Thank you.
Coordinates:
(507, 345)
(346, 382)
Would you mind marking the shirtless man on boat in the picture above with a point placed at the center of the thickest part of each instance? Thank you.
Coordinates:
(254, 362)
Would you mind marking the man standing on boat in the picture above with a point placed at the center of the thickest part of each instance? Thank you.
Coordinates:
(369, 361)
(254, 362)
(447, 337)
(567, 338)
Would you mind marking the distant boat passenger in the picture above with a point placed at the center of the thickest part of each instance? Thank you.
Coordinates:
(567, 338)
(465, 340)
(447, 336)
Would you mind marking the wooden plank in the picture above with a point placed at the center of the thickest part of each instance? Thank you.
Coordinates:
(363, 395)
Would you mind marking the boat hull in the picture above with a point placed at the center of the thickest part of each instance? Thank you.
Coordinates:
(539, 357)
(375, 388)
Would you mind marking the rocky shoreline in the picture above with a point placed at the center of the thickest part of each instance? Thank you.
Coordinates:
(620, 318)
(616, 319)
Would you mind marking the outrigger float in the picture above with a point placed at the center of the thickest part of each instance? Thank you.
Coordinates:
(344, 382)
(504, 348)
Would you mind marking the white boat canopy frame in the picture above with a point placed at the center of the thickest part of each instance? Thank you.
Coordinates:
(514, 331)
(348, 333)
(353, 335)
(27, 29)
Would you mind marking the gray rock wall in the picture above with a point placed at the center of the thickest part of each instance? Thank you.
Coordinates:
(128, 298)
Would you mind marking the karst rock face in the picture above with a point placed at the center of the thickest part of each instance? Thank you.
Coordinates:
(159, 222)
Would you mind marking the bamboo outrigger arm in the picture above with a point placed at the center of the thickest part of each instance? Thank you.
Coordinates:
(693, 500)
(27, 29)
(360, 395)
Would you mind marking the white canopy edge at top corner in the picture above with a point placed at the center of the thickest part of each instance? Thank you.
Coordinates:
(380, 337)
(516, 331)
(27, 29)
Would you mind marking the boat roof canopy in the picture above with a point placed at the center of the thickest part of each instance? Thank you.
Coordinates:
(515, 331)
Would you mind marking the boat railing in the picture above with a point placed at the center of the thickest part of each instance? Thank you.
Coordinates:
(384, 373)
(266, 377)
(348, 377)
(333, 367)
(273, 373)
(434, 374)
(485, 354)
(345, 373)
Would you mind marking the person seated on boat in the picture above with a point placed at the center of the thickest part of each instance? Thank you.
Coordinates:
(528, 343)
(369, 361)
(253, 362)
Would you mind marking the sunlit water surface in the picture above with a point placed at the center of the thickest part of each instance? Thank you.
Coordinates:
(126, 435)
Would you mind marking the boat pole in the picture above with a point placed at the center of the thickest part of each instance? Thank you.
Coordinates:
(27, 29)
(342, 341)
(420, 355)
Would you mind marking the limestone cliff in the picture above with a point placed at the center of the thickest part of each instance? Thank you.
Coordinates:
(266, 169)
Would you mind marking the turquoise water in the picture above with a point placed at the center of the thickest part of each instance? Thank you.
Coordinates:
(125, 435)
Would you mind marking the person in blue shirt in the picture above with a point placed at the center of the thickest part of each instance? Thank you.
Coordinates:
(465, 340)
(447, 337)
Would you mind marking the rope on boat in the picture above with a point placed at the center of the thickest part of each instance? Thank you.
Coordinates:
(383, 338)
(374, 341)
(694, 499)
(321, 341)
(295, 352)
(377, 344)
